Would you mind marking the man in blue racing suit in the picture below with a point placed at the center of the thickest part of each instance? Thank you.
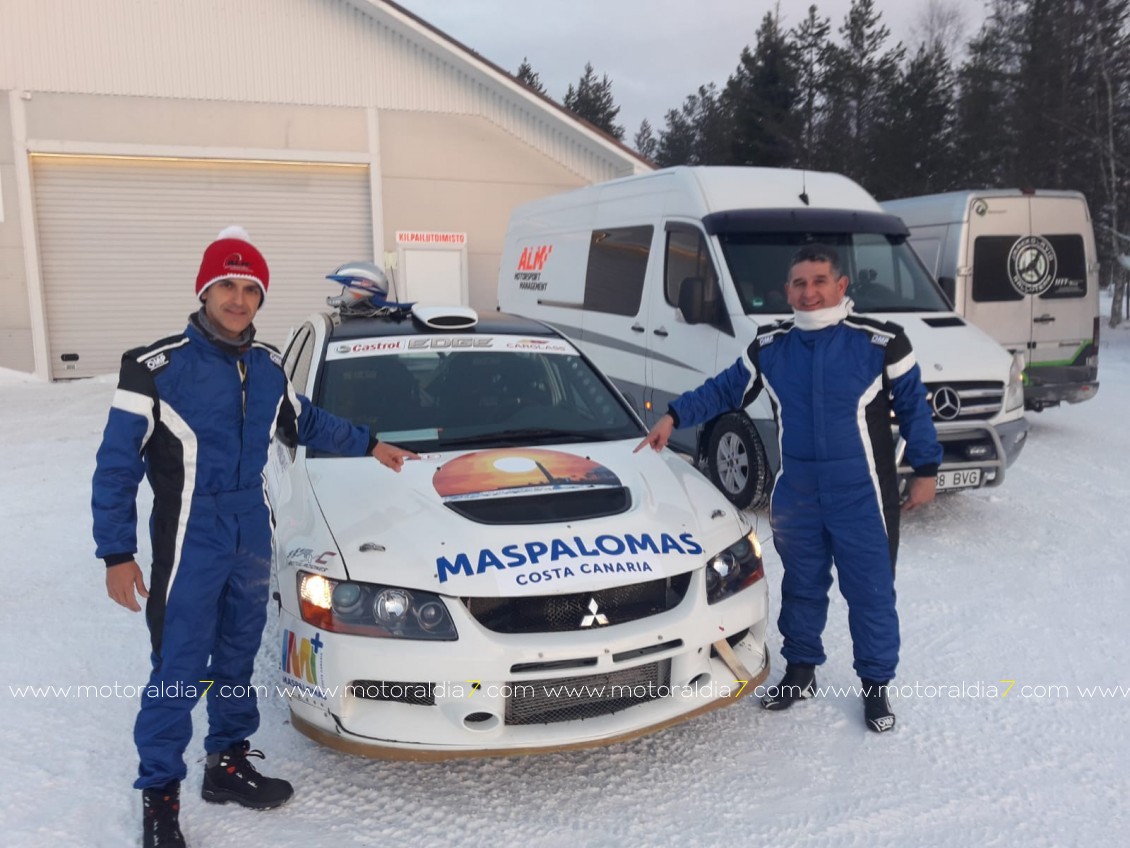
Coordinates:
(833, 378)
(196, 413)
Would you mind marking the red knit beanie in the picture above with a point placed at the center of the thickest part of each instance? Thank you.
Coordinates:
(232, 256)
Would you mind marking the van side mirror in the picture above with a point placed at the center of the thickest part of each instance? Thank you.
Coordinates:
(949, 289)
(692, 300)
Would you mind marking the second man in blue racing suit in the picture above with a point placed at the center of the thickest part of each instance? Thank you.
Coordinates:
(833, 378)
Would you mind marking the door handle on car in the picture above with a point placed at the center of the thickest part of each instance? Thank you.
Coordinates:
(1043, 319)
(661, 332)
(637, 328)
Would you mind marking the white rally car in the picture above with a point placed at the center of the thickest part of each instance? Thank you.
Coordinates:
(529, 583)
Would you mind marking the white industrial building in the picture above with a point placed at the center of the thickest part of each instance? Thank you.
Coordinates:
(133, 131)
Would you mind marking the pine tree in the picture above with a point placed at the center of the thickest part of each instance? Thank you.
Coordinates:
(645, 142)
(982, 132)
(811, 48)
(860, 74)
(592, 100)
(759, 100)
(529, 77)
(914, 129)
(698, 133)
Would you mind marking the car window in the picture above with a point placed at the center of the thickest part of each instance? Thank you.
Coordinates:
(432, 400)
(616, 269)
(295, 348)
(299, 357)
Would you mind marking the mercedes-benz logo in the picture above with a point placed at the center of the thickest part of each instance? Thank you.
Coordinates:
(947, 403)
(594, 616)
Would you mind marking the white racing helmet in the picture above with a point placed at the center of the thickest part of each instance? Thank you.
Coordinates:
(362, 280)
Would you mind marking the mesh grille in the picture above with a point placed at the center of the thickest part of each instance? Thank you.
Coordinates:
(558, 613)
(578, 698)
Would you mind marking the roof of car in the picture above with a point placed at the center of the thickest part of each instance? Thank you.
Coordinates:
(490, 323)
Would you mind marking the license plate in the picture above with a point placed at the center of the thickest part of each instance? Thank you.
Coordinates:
(964, 479)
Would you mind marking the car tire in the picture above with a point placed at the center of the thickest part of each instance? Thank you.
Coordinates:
(736, 462)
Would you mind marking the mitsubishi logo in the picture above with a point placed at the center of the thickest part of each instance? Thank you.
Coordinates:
(594, 617)
(947, 403)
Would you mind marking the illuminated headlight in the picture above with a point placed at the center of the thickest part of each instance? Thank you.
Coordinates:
(1014, 394)
(367, 609)
(734, 569)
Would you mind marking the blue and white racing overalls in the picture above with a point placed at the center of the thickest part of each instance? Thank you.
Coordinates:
(836, 494)
(198, 419)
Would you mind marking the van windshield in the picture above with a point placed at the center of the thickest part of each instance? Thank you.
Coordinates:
(884, 273)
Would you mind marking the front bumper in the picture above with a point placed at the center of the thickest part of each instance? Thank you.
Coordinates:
(436, 700)
(974, 445)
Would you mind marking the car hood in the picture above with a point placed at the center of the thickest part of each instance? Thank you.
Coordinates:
(946, 346)
(949, 351)
(411, 529)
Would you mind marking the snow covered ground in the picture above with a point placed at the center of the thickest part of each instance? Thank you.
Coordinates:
(1015, 607)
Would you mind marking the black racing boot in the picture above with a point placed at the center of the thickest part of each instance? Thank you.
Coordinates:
(876, 708)
(228, 776)
(798, 683)
(160, 821)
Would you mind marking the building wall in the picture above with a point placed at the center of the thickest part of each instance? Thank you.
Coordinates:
(452, 143)
(461, 173)
(15, 319)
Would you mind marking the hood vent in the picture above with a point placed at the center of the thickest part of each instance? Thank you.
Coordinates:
(949, 321)
(545, 509)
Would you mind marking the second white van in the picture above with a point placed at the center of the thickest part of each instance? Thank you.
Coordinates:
(663, 279)
(1022, 266)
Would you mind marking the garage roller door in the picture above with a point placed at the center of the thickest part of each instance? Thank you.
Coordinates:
(120, 242)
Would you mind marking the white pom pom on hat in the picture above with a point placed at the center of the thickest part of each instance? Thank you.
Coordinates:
(234, 231)
(232, 256)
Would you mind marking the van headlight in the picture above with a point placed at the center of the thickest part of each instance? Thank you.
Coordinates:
(369, 609)
(734, 569)
(1014, 394)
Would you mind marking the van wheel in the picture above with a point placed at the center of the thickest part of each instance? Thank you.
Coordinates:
(735, 460)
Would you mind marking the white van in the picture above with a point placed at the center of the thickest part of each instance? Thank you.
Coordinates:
(1022, 266)
(663, 279)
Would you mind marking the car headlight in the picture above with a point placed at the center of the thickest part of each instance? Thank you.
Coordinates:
(734, 569)
(369, 609)
(1014, 394)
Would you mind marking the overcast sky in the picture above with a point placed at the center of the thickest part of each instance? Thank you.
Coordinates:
(655, 52)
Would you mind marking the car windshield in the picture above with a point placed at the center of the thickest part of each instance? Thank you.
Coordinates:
(884, 273)
(473, 398)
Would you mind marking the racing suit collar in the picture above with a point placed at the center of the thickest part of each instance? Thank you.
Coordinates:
(200, 321)
(818, 319)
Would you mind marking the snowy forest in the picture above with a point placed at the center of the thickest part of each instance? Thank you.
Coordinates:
(1038, 97)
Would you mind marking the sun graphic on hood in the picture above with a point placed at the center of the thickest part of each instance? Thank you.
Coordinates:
(532, 471)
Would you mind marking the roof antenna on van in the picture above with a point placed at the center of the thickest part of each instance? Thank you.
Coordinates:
(804, 187)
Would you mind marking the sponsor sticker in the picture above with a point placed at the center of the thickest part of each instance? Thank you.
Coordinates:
(302, 661)
(518, 471)
(536, 562)
(410, 344)
(1032, 265)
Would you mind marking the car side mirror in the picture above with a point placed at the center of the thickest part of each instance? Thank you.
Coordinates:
(692, 300)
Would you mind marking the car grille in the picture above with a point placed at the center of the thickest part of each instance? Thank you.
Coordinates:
(558, 613)
(577, 698)
(969, 401)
